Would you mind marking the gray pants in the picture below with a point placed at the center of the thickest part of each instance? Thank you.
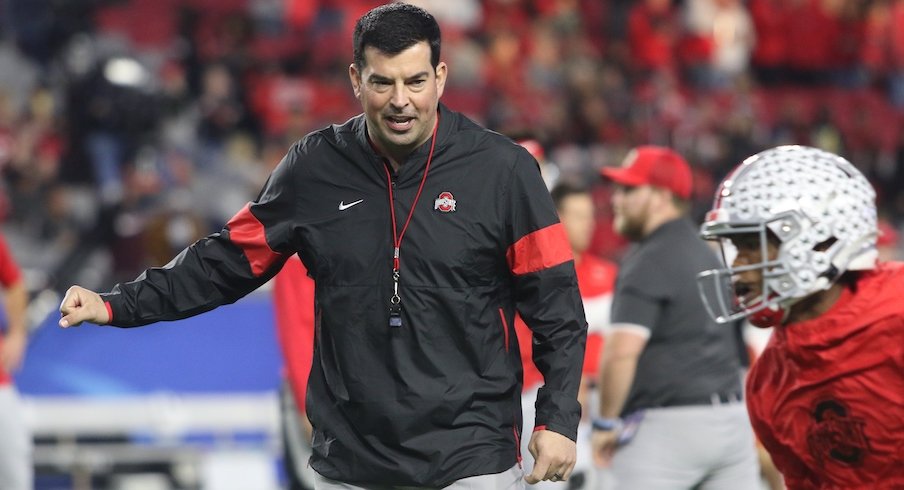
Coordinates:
(702, 447)
(513, 479)
(297, 448)
(16, 470)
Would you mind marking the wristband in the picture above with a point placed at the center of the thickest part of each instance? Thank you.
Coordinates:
(606, 425)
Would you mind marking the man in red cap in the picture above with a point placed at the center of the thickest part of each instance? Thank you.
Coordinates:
(672, 414)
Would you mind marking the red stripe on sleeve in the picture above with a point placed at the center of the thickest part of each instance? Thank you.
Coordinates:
(248, 233)
(542, 249)
(109, 311)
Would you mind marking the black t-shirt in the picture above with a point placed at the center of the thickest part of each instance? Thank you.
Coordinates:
(688, 356)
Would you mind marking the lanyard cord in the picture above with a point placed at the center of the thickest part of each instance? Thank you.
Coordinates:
(397, 237)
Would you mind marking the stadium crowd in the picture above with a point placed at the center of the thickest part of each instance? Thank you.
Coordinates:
(151, 121)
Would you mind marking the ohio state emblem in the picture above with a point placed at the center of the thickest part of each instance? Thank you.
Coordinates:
(445, 202)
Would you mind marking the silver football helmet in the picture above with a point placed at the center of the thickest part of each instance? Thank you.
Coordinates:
(817, 210)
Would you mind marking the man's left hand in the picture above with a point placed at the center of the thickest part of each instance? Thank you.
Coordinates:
(554, 456)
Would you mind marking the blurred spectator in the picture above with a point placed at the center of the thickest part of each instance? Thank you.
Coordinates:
(883, 47)
(548, 169)
(654, 31)
(170, 230)
(15, 445)
(293, 303)
(41, 29)
(852, 24)
(770, 54)
(113, 112)
(33, 171)
(670, 383)
(222, 111)
(596, 280)
(461, 15)
(727, 27)
(811, 41)
(605, 243)
(18, 77)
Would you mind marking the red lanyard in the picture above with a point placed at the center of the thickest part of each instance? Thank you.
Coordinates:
(397, 237)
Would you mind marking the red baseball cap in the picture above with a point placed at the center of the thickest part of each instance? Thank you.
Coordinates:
(653, 165)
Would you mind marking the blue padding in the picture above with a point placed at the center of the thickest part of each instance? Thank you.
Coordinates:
(232, 349)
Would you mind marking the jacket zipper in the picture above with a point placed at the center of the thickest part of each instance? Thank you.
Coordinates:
(505, 329)
(505, 335)
(517, 443)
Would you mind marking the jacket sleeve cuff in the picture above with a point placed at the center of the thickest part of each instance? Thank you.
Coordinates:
(558, 412)
(565, 431)
(109, 311)
(113, 303)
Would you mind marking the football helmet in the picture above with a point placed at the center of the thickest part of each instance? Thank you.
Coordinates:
(811, 214)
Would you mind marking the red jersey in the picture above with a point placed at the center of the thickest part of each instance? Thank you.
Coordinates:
(826, 398)
(293, 301)
(596, 280)
(9, 275)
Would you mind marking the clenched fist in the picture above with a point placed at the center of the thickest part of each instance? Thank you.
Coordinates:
(82, 305)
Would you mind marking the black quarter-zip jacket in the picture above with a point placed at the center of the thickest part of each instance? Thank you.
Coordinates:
(437, 399)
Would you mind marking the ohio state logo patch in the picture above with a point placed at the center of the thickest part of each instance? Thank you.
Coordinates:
(837, 436)
(445, 202)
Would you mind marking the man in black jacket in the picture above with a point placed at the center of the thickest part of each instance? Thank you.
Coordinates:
(424, 233)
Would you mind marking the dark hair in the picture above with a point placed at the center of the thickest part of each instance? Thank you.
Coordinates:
(393, 28)
(565, 189)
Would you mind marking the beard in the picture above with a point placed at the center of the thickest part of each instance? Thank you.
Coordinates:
(631, 229)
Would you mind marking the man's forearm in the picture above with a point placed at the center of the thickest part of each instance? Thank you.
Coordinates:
(17, 309)
(616, 378)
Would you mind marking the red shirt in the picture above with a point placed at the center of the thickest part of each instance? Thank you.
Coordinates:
(811, 42)
(293, 300)
(770, 19)
(652, 37)
(9, 275)
(596, 280)
(826, 398)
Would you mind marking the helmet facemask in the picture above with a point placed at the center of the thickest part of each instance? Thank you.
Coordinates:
(769, 250)
(817, 211)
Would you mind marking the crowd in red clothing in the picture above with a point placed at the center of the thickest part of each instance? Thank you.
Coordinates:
(228, 85)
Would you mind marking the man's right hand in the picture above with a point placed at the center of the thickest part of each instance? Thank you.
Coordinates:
(81, 305)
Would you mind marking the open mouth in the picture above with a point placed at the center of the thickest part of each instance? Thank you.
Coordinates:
(400, 123)
(744, 292)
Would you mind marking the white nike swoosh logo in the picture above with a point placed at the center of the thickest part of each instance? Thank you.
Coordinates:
(343, 206)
